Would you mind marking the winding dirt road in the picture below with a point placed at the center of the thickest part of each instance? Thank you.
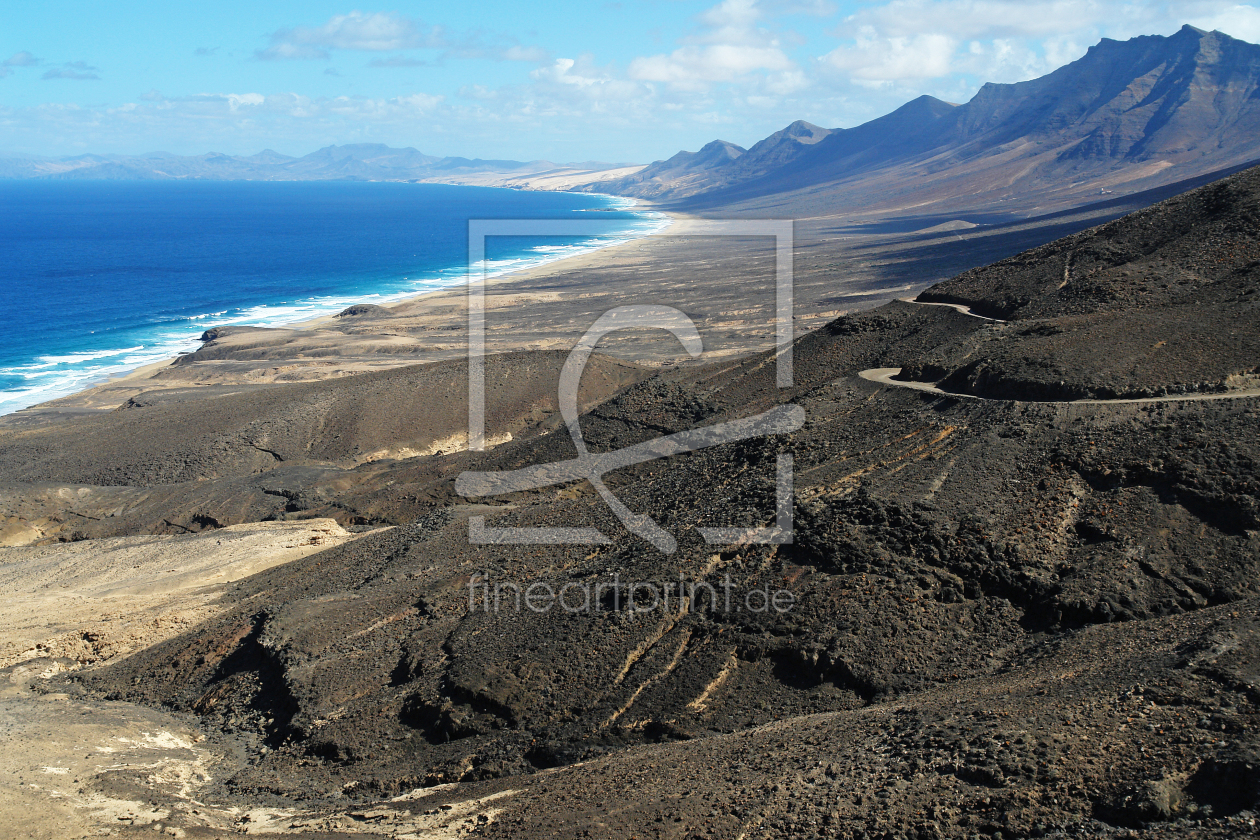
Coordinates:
(966, 310)
(884, 376)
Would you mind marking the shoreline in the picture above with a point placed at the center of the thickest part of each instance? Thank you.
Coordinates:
(83, 398)
(671, 219)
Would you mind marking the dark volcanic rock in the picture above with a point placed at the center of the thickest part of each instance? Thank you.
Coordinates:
(1202, 247)
(215, 333)
(1162, 301)
(362, 309)
(1006, 618)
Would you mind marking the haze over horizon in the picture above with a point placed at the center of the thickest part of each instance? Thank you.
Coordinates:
(616, 82)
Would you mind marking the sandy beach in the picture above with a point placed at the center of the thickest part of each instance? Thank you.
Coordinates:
(840, 265)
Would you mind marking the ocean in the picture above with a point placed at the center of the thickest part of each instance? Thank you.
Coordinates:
(101, 277)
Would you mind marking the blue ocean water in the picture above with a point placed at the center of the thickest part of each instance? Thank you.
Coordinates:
(100, 277)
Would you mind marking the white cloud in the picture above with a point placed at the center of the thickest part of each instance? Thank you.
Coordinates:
(817, 8)
(390, 32)
(904, 42)
(519, 53)
(979, 19)
(1239, 21)
(78, 70)
(297, 105)
(786, 82)
(728, 48)
(731, 22)
(992, 20)
(889, 59)
(295, 51)
(376, 32)
(236, 100)
(480, 92)
(570, 86)
(716, 63)
(419, 101)
(21, 59)
(907, 41)
(561, 72)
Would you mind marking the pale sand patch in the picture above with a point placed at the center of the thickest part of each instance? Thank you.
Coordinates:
(94, 600)
(71, 767)
(563, 178)
(457, 442)
(75, 767)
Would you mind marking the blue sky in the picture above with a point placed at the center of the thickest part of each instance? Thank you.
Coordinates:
(634, 80)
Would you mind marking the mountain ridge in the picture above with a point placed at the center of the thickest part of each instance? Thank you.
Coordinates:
(1128, 115)
(1125, 111)
(354, 161)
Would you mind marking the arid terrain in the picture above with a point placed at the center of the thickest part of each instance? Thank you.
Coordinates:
(1024, 594)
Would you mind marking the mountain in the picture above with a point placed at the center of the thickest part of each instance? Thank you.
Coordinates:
(268, 156)
(722, 163)
(1132, 115)
(353, 162)
(681, 171)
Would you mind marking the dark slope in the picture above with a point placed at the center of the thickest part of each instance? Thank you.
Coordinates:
(1009, 754)
(1133, 100)
(779, 148)
(1010, 616)
(1172, 292)
(1131, 115)
(168, 437)
(370, 153)
(801, 151)
(906, 133)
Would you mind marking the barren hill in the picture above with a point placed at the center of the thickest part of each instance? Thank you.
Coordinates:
(1032, 617)
(1172, 292)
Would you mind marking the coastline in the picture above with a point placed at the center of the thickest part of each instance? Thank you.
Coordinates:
(671, 219)
(113, 389)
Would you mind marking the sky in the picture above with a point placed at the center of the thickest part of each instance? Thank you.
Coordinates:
(565, 80)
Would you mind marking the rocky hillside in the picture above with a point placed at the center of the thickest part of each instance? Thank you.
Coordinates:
(1014, 617)
(1172, 292)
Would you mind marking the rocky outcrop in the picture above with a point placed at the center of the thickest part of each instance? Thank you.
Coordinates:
(362, 309)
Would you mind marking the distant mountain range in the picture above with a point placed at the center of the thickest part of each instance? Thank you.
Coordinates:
(1131, 115)
(357, 162)
(1128, 116)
